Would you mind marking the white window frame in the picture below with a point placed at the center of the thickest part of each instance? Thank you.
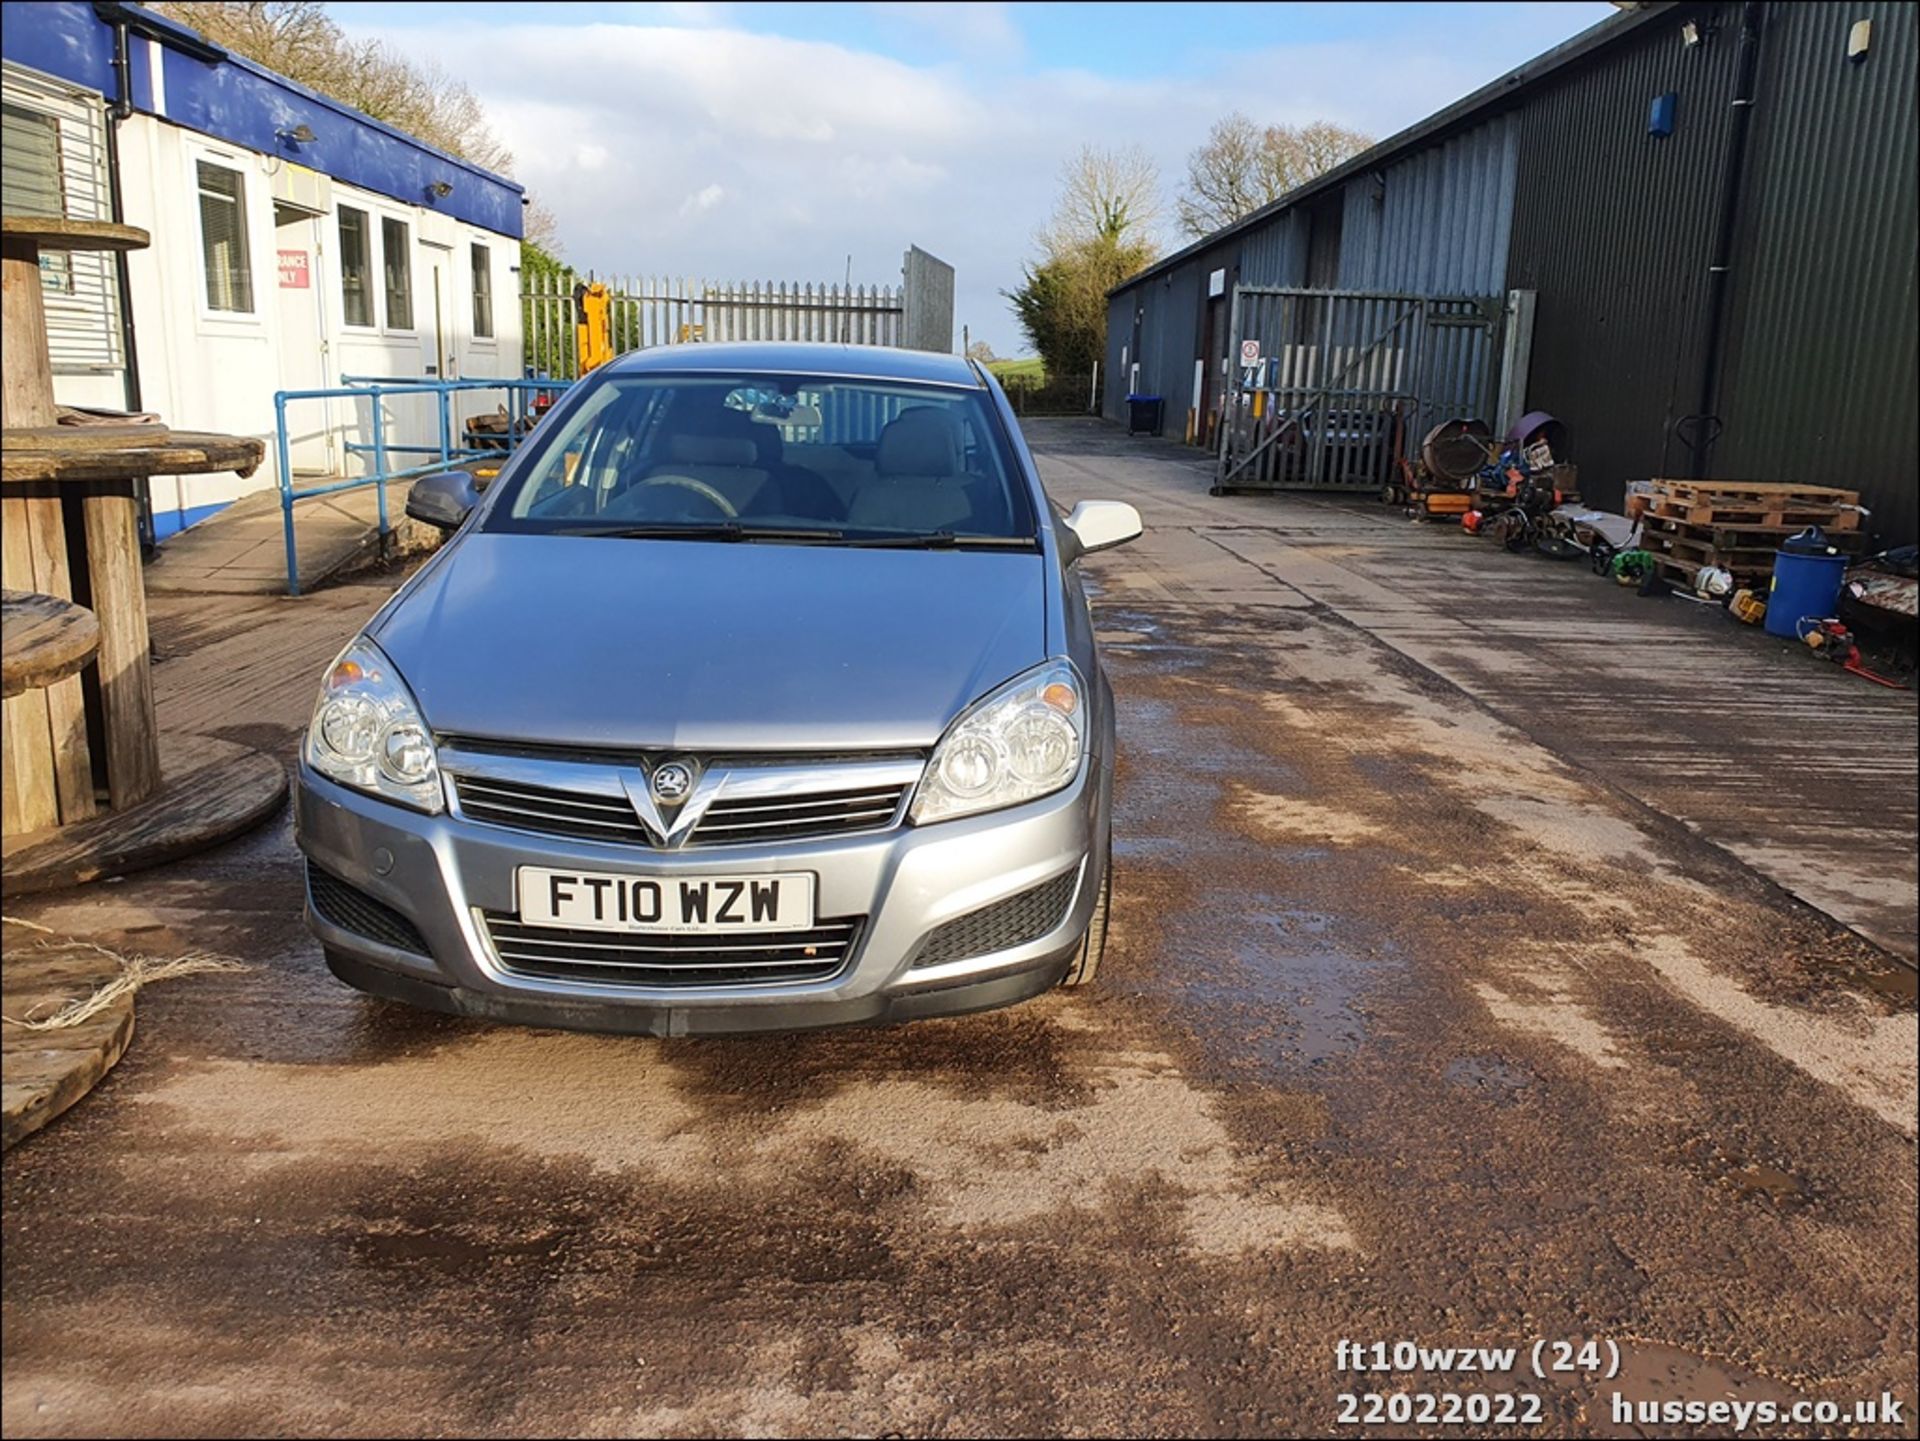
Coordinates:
(375, 279)
(209, 321)
(56, 266)
(387, 327)
(82, 293)
(491, 340)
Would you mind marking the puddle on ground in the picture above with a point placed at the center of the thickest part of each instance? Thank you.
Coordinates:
(1885, 977)
(1489, 1076)
(1138, 713)
(1390, 772)
(1758, 1178)
(1745, 1176)
(445, 1251)
(1171, 847)
(1140, 635)
(1289, 974)
(1312, 922)
(1298, 853)
(1651, 1373)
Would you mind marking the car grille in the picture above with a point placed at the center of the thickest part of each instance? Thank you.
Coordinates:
(781, 818)
(550, 812)
(1002, 925)
(615, 958)
(352, 909)
(742, 821)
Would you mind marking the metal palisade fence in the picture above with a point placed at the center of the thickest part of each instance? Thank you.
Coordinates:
(1328, 389)
(647, 311)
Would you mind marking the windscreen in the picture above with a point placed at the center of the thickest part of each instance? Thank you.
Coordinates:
(797, 457)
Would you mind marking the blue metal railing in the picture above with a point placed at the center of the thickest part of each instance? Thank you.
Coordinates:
(377, 389)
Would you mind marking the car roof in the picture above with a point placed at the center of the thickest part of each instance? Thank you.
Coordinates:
(860, 362)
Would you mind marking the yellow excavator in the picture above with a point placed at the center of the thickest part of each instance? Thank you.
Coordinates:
(592, 325)
(593, 345)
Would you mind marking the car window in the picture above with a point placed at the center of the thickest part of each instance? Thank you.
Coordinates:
(793, 454)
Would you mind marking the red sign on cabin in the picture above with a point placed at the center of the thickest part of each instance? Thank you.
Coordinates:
(293, 270)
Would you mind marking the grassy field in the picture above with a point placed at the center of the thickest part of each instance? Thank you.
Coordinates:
(1029, 372)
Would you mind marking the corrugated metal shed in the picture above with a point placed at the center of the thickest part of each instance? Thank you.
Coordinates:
(1113, 371)
(1436, 221)
(1613, 227)
(1496, 95)
(1822, 367)
(1550, 180)
(1159, 325)
(1275, 254)
(1172, 310)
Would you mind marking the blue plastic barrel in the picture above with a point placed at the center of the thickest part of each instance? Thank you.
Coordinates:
(1803, 585)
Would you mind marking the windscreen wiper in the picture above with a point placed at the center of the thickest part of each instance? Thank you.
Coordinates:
(724, 530)
(941, 540)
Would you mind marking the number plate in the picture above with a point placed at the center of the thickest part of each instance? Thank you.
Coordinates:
(688, 905)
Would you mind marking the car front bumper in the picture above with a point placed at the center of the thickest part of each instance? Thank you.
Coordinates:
(443, 874)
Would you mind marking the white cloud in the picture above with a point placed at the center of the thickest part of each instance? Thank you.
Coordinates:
(736, 156)
(703, 199)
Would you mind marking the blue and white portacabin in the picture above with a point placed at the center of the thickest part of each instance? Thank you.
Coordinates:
(295, 240)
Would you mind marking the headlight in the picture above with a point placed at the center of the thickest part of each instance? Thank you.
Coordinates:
(1020, 742)
(367, 733)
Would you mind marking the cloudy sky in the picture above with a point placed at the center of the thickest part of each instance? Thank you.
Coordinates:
(772, 142)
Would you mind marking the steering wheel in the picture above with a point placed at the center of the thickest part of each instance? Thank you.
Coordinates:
(699, 488)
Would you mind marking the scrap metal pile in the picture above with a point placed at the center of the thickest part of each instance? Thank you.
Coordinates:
(1786, 556)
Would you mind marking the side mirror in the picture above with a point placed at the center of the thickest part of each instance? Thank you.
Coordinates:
(443, 500)
(1101, 525)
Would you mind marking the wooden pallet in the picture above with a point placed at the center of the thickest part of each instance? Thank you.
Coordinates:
(1750, 517)
(1737, 534)
(1746, 565)
(1755, 558)
(1682, 571)
(1770, 492)
(1751, 503)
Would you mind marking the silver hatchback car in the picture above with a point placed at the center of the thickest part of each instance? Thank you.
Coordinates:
(759, 691)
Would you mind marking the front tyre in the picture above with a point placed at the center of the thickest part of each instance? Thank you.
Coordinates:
(1093, 944)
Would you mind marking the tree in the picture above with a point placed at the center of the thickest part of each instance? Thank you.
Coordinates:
(1244, 166)
(1105, 193)
(1101, 232)
(300, 40)
(538, 226)
(982, 352)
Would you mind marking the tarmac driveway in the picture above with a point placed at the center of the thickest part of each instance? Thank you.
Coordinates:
(1409, 1030)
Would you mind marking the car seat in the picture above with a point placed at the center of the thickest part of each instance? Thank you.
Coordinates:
(796, 490)
(728, 465)
(919, 476)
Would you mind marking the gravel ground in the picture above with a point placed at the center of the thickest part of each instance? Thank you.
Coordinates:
(1409, 1029)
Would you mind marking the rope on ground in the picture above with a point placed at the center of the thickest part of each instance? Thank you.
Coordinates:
(135, 971)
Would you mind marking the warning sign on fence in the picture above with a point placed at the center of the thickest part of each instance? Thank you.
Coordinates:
(1249, 352)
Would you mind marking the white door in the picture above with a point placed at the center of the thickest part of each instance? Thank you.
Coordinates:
(441, 360)
(305, 360)
(437, 358)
